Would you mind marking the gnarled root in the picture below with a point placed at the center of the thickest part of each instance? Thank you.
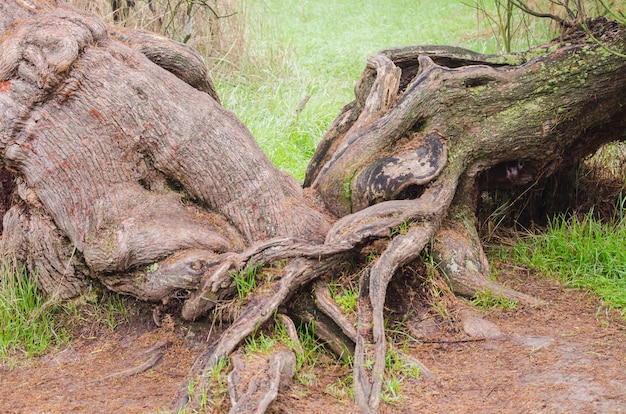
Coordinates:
(261, 306)
(325, 326)
(458, 250)
(252, 390)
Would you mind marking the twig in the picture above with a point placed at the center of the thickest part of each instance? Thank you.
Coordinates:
(158, 354)
(456, 341)
(524, 7)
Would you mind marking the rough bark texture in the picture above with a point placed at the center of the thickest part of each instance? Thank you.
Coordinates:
(253, 390)
(458, 116)
(119, 164)
(138, 165)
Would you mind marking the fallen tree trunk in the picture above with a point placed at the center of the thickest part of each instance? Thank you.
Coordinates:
(123, 167)
(426, 115)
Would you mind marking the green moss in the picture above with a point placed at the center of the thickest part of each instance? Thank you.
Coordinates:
(347, 189)
(152, 267)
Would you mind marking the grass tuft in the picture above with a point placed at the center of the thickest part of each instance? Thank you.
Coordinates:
(27, 322)
(583, 253)
(245, 279)
(487, 299)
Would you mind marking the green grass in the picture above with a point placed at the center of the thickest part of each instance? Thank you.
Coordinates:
(487, 299)
(264, 342)
(245, 279)
(28, 324)
(397, 371)
(345, 297)
(211, 395)
(583, 253)
(260, 343)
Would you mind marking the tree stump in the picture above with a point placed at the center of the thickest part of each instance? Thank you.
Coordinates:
(120, 164)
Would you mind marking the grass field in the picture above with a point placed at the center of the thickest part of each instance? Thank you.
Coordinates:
(582, 253)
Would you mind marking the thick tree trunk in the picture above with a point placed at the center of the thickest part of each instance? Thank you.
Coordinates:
(138, 165)
(120, 164)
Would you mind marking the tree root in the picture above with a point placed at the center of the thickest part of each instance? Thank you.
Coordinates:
(326, 304)
(217, 283)
(325, 328)
(261, 306)
(309, 262)
(290, 328)
(457, 249)
(254, 389)
(371, 340)
(157, 353)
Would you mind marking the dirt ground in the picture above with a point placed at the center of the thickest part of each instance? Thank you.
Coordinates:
(566, 357)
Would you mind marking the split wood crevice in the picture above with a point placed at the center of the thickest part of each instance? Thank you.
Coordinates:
(123, 167)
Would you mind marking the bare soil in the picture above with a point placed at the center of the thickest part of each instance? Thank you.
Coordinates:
(566, 357)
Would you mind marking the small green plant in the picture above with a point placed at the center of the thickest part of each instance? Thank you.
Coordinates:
(487, 299)
(211, 393)
(399, 365)
(311, 346)
(342, 388)
(245, 279)
(115, 312)
(401, 228)
(345, 297)
(259, 343)
(391, 393)
(27, 321)
(107, 308)
(262, 342)
(397, 370)
(371, 257)
(314, 351)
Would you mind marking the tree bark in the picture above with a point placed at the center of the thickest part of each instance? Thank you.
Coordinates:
(135, 170)
(120, 164)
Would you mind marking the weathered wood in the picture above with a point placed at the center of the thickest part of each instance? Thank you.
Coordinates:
(551, 116)
(143, 184)
(253, 390)
(121, 165)
(325, 326)
(526, 113)
(261, 306)
(326, 304)
(177, 58)
(457, 248)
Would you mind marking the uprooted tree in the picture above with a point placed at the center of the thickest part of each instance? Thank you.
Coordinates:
(120, 165)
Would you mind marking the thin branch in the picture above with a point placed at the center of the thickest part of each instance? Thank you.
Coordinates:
(454, 341)
(524, 7)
